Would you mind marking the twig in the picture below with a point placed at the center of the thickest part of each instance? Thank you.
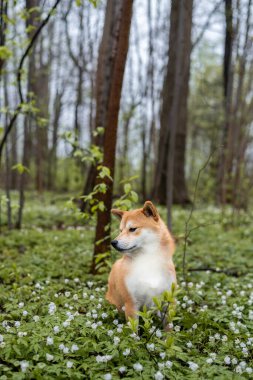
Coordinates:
(19, 72)
(205, 26)
(188, 231)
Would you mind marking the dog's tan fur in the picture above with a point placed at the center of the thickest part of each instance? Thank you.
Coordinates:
(148, 222)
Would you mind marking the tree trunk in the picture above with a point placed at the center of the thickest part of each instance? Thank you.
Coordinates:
(114, 46)
(3, 25)
(223, 174)
(174, 111)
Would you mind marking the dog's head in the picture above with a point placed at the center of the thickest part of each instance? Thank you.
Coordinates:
(138, 228)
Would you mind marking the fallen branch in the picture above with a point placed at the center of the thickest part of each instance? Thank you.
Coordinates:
(229, 272)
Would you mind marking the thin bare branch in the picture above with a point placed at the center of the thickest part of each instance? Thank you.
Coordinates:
(18, 109)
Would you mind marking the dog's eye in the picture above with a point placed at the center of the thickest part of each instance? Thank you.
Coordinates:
(132, 229)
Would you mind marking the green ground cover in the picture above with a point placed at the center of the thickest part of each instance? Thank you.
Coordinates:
(55, 322)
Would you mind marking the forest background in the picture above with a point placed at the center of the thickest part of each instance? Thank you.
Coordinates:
(110, 103)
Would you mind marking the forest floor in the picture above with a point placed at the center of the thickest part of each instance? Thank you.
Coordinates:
(56, 324)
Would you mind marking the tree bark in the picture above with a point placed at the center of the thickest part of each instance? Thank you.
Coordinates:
(175, 109)
(223, 172)
(114, 47)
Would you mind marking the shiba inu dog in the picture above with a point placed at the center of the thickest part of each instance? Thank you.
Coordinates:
(146, 269)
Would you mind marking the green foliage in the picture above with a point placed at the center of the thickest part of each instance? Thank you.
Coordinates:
(44, 284)
(20, 168)
(5, 53)
(129, 198)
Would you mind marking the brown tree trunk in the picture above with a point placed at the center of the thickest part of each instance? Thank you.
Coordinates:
(223, 172)
(3, 25)
(115, 45)
(175, 109)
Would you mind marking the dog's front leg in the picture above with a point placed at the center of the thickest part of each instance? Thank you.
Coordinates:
(131, 310)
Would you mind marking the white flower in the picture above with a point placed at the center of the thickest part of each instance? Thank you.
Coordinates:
(89, 283)
(84, 295)
(107, 376)
(224, 338)
(193, 366)
(213, 355)
(177, 328)
(75, 297)
(110, 332)
(66, 280)
(234, 361)
(209, 360)
(17, 324)
(24, 365)
(138, 367)
(249, 370)
(74, 348)
(227, 360)
(151, 346)
(49, 357)
(94, 326)
(1, 338)
(36, 318)
(238, 369)
(158, 375)
(67, 294)
(50, 341)
(21, 304)
(115, 322)
(116, 340)
(189, 344)
(65, 350)
(122, 369)
(158, 333)
(103, 359)
(162, 355)
(126, 352)
(56, 329)
(25, 313)
(51, 308)
(69, 364)
(194, 326)
(76, 279)
(66, 323)
(92, 297)
(104, 315)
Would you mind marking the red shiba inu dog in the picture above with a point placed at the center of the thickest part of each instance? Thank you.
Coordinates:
(146, 269)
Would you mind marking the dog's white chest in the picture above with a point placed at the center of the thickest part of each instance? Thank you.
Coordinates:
(149, 277)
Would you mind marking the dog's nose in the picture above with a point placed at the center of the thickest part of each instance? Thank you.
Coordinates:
(114, 243)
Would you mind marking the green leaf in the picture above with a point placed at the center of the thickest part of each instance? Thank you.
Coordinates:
(20, 168)
(127, 188)
(5, 53)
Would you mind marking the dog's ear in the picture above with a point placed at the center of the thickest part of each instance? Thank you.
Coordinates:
(118, 213)
(150, 211)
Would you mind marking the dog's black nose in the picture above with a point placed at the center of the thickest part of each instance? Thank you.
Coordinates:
(114, 243)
